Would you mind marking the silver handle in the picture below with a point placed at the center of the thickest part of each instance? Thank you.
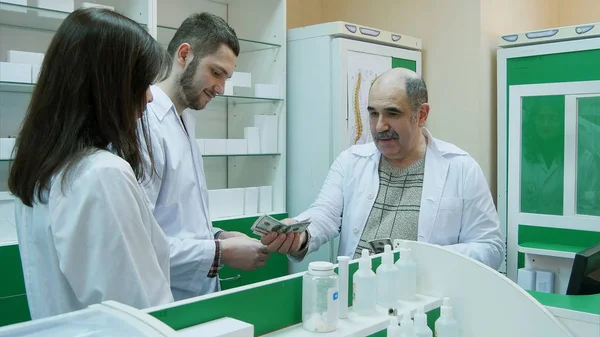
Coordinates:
(233, 278)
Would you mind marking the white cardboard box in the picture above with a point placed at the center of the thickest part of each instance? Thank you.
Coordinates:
(6, 148)
(237, 146)
(200, 143)
(91, 4)
(250, 200)
(215, 146)
(228, 88)
(240, 79)
(25, 57)
(35, 73)
(217, 203)
(236, 201)
(15, 72)
(526, 278)
(265, 199)
(268, 132)
(252, 135)
(266, 90)
(544, 281)
(57, 5)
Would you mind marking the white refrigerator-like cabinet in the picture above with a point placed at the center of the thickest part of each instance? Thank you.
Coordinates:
(330, 68)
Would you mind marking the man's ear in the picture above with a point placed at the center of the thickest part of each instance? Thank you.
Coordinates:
(184, 54)
(423, 114)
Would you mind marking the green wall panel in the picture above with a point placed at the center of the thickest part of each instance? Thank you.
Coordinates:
(558, 236)
(276, 266)
(284, 298)
(13, 310)
(402, 63)
(12, 271)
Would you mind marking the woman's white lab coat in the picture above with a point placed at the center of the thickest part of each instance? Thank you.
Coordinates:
(95, 240)
(457, 209)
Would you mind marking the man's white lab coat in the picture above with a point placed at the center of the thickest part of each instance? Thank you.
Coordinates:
(457, 209)
(179, 197)
(95, 242)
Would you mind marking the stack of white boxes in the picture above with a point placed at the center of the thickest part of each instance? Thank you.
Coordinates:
(260, 138)
(537, 280)
(22, 67)
(234, 202)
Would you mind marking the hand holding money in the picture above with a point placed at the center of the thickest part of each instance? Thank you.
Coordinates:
(267, 224)
(284, 241)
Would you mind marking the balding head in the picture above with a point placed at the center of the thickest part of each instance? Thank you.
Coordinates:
(398, 111)
(407, 84)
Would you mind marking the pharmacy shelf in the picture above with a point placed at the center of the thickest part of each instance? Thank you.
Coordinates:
(16, 87)
(240, 155)
(165, 33)
(549, 249)
(356, 325)
(32, 18)
(235, 99)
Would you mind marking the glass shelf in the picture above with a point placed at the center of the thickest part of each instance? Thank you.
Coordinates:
(240, 155)
(245, 45)
(247, 99)
(16, 87)
(31, 17)
(28, 88)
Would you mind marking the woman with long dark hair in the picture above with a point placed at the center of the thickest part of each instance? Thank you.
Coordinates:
(85, 231)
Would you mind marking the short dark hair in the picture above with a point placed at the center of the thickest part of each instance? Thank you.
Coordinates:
(205, 32)
(90, 95)
(416, 93)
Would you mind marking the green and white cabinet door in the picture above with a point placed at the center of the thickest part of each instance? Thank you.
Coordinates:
(552, 156)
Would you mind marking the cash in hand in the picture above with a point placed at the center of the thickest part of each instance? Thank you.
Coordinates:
(267, 224)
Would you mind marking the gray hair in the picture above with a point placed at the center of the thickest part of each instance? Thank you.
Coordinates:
(416, 93)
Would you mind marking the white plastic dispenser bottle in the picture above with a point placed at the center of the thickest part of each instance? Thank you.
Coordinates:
(394, 330)
(407, 284)
(387, 280)
(364, 283)
(421, 328)
(406, 326)
(320, 298)
(446, 325)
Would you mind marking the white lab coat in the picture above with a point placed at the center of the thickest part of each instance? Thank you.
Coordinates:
(457, 209)
(97, 241)
(179, 197)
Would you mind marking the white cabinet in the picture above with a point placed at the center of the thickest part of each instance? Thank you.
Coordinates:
(29, 25)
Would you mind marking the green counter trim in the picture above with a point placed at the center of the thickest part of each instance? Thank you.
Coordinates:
(583, 303)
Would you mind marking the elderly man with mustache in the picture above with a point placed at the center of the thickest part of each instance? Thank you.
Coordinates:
(406, 184)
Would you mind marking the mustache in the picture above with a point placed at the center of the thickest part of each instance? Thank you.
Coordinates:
(387, 135)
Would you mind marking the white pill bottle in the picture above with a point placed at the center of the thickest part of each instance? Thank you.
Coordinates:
(320, 298)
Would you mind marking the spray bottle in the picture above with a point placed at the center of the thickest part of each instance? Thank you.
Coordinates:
(364, 282)
(446, 325)
(407, 284)
(407, 326)
(387, 279)
(421, 328)
(393, 330)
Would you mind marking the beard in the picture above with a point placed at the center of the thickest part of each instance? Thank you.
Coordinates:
(189, 92)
